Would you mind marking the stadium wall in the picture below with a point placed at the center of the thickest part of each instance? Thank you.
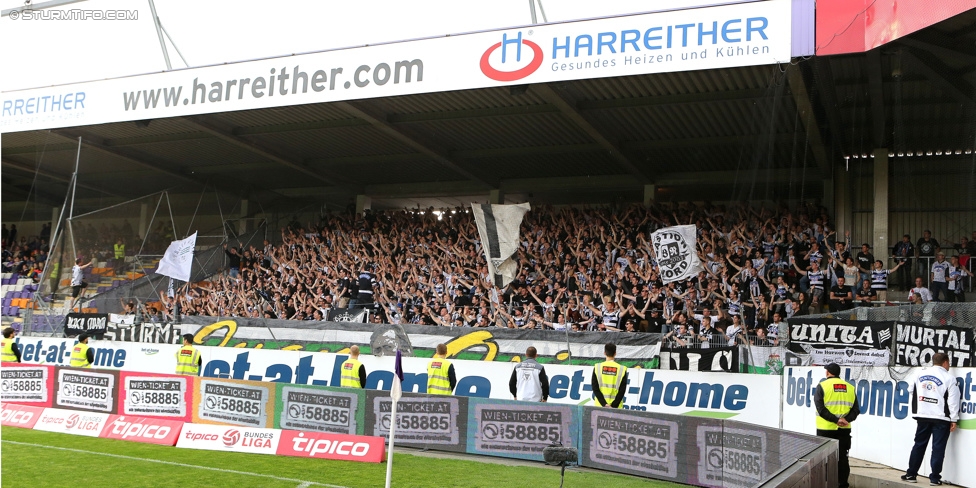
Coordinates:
(688, 449)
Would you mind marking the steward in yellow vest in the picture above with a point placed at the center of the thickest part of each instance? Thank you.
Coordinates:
(119, 249)
(836, 404)
(9, 352)
(353, 371)
(609, 381)
(188, 359)
(441, 379)
(81, 355)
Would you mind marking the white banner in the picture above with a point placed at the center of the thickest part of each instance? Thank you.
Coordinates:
(745, 34)
(178, 260)
(742, 397)
(130, 356)
(885, 430)
(850, 356)
(229, 438)
(676, 252)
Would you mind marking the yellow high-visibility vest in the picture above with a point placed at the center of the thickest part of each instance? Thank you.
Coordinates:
(188, 361)
(119, 251)
(839, 398)
(7, 351)
(350, 374)
(79, 356)
(438, 381)
(610, 374)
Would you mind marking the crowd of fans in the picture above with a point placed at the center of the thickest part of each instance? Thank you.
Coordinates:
(580, 268)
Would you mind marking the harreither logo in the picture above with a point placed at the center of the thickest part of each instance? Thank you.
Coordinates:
(513, 63)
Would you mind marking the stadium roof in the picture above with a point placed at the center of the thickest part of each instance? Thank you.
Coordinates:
(696, 135)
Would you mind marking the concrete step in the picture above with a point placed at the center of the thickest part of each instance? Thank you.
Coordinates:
(866, 474)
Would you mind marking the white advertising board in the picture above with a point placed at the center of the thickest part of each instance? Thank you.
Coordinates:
(71, 422)
(885, 430)
(738, 396)
(229, 438)
(743, 34)
(741, 397)
(130, 356)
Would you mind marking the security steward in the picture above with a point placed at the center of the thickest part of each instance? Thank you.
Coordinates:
(353, 371)
(188, 360)
(529, 382)
(836, 404)
(441, 378)
(9, 350)
(609, 381)
(82, 356)
(119, 249)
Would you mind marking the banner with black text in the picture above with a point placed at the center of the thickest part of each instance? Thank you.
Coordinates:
(915, 344)
(710, 359)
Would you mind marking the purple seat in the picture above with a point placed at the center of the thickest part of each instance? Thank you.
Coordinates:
(14, 312)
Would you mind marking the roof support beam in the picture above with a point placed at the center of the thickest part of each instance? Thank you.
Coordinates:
(824, 76)
(379, 122)
(227, 135)
(229, 185)
(55, 176)
(785, 138)
(936, 43)
(662, 100)
(801, 97)
(38, 195)
(568, 109)
(97, 144)
(932, 68)
(876, 94)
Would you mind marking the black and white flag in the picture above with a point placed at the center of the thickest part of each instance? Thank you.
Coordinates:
(498, 227)
(676, 252)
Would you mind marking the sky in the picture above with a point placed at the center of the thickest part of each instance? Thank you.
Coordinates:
(45, 52)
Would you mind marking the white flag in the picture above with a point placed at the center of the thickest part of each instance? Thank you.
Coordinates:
(676, 252)
(498, 227)
(178, 260)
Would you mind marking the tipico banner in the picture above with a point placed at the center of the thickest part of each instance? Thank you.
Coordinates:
(724, 36)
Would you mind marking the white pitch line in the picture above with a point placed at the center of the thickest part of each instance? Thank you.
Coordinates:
(302, 483)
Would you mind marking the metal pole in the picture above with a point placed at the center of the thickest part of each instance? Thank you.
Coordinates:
(389, 457)
(74, 180)
(161, 26)
(159, 32)
(543, 12)
(531, 9)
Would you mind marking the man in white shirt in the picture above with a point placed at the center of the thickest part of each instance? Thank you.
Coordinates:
(529, 382)
(935, 407)
(78, 283)
(940, 282)
(956, 274)
(920, 294)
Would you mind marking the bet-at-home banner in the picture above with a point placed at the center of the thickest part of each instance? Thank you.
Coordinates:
(744, 398)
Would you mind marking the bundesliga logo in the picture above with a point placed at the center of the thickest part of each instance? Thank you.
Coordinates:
(231, 437)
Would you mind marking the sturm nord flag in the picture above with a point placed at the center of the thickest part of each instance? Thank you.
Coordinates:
(676, 252)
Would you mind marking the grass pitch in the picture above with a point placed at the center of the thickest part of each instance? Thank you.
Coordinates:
(44, 459)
